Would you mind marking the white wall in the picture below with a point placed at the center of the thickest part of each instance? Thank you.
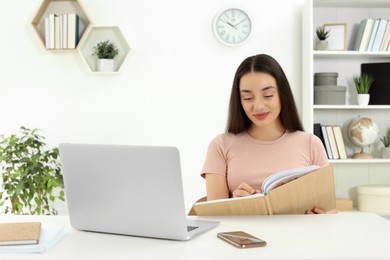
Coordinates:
(173, 90)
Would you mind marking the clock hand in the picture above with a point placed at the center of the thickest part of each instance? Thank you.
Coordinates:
(239, 22)
(231, 25)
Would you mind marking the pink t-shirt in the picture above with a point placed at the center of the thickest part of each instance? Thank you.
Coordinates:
(241, 158)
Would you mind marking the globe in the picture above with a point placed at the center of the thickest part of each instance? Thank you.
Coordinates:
(363, 132)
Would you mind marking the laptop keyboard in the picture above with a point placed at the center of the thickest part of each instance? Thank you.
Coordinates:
(190, 228)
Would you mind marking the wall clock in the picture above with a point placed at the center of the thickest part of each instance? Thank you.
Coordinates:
(232, 27)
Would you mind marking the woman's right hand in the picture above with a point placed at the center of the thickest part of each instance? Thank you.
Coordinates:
(244, 190)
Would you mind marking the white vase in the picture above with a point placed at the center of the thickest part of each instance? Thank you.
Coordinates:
(385, 151)
(363, 99)
(322, 45)
(105, 65)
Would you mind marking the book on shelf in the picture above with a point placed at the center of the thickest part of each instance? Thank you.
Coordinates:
(287, 192)
(64, 31)
(51, 30)
(366, 34)
(73, 30)
(23, 233)
(359, 34)
(338, 135)
(386, 38)
(373, 34)
(332, 142)
(379, 35)
(317, 130)
(61, 31)
(388, 47)
(332, 138)
(57, 32)
(326, 142)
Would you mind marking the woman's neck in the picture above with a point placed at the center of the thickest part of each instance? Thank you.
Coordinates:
(266, 133)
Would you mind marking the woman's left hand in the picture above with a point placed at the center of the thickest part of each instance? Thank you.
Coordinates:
(316, 210)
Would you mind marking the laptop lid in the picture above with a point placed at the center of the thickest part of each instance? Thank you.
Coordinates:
(129, 190)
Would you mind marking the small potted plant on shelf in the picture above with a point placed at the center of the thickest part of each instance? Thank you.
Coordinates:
(31, 178)
(386, 142)
(322, 35)
(363, 84)
(106, 52)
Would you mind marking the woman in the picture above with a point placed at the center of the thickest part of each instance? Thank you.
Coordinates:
(264, 133)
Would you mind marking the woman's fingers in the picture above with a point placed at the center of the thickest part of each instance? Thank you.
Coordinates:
(244, 190)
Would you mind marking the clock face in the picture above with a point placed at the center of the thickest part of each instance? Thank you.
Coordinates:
(232, 27)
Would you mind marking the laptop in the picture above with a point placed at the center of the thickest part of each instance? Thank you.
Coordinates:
(127, 190)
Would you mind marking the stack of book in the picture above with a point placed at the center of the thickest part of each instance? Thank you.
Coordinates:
(61, 31)
(373, 35)
(332, 138)
(29, 237)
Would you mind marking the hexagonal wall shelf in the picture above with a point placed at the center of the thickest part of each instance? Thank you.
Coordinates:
(96, 34)
(59, 7)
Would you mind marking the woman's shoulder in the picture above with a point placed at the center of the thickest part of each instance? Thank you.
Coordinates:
(226, 139)
(306, 137)
(300, 134)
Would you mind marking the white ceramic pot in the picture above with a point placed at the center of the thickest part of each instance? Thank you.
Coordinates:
(322, 45)
(385, 152)
(363, 99)
(105, 65)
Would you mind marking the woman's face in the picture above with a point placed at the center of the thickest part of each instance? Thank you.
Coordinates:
(260, 99)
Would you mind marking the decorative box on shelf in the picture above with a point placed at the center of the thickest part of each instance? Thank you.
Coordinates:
(326, 91)
(374, 198)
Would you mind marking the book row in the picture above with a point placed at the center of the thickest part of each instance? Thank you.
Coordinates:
(373, 35)
(332, 138)
(61, 31)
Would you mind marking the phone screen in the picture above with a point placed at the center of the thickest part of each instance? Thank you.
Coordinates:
(241, 239)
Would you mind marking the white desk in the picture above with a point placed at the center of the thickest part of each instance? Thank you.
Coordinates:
(337, 236)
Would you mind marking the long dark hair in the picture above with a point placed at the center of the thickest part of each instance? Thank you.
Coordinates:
(237, 119)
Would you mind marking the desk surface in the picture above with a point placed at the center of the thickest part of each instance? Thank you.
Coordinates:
(351, 235)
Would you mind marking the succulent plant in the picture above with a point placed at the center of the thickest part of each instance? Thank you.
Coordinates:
(322, 34)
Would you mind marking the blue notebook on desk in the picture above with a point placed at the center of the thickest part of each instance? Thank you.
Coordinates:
(49, 236)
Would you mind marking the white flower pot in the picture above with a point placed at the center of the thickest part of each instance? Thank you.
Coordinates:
(105, 65)
(363, 99)
(322, 45)
(385, 152)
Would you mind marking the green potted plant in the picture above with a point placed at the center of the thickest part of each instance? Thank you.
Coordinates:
(30, 173)
(322, 35)
(386, 142)
(106, 51)
(363, 84)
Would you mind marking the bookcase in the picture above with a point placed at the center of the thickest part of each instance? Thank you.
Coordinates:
(57, 6)
(349, 173)
(89, 34)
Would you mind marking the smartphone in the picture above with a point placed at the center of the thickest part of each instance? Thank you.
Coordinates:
(241, 239)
